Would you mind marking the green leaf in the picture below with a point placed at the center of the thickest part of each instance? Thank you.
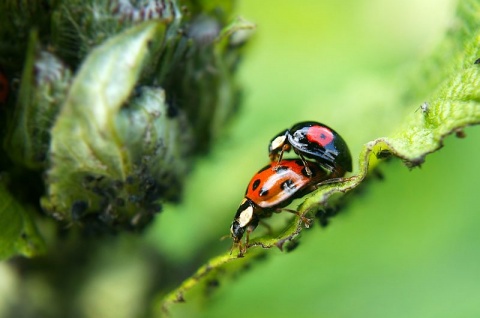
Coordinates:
(18, 235)
(209, 275)
(113, 159)
(451, 88)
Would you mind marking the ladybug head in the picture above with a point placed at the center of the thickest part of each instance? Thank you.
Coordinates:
(245, 219)
(237, 231)
(277, 144)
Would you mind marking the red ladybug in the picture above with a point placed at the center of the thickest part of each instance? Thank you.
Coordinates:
(315, 141)
(272, 188)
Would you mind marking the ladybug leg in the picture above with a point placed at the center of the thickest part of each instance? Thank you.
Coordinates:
(331, 171)
(280, 156)
(305, 220)
(243, 249)
(305, 163)
(284, 148)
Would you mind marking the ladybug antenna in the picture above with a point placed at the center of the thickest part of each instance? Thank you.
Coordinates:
(225, 237)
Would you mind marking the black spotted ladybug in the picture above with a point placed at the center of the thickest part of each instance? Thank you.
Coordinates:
(315, 141)
(271, 189)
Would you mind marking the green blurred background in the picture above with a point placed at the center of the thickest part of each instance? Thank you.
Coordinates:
(404, 247)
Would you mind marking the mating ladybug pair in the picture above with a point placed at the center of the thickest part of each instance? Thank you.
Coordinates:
(283, 180)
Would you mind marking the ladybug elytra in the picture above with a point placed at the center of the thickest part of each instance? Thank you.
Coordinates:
(271, 189)
(313, 140)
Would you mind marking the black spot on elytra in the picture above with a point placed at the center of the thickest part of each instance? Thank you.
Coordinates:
(288, 185)
(255, 185)
(263, 192)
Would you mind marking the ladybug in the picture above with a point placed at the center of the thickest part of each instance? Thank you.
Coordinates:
(313, 140)
(4, 87)
(271, 189)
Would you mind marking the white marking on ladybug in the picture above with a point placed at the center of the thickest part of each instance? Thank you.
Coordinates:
(245, 217)
(278, 142)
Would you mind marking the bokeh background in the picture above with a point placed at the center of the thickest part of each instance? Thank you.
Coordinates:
(405, 246)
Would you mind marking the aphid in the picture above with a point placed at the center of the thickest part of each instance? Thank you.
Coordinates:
(424, 107)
